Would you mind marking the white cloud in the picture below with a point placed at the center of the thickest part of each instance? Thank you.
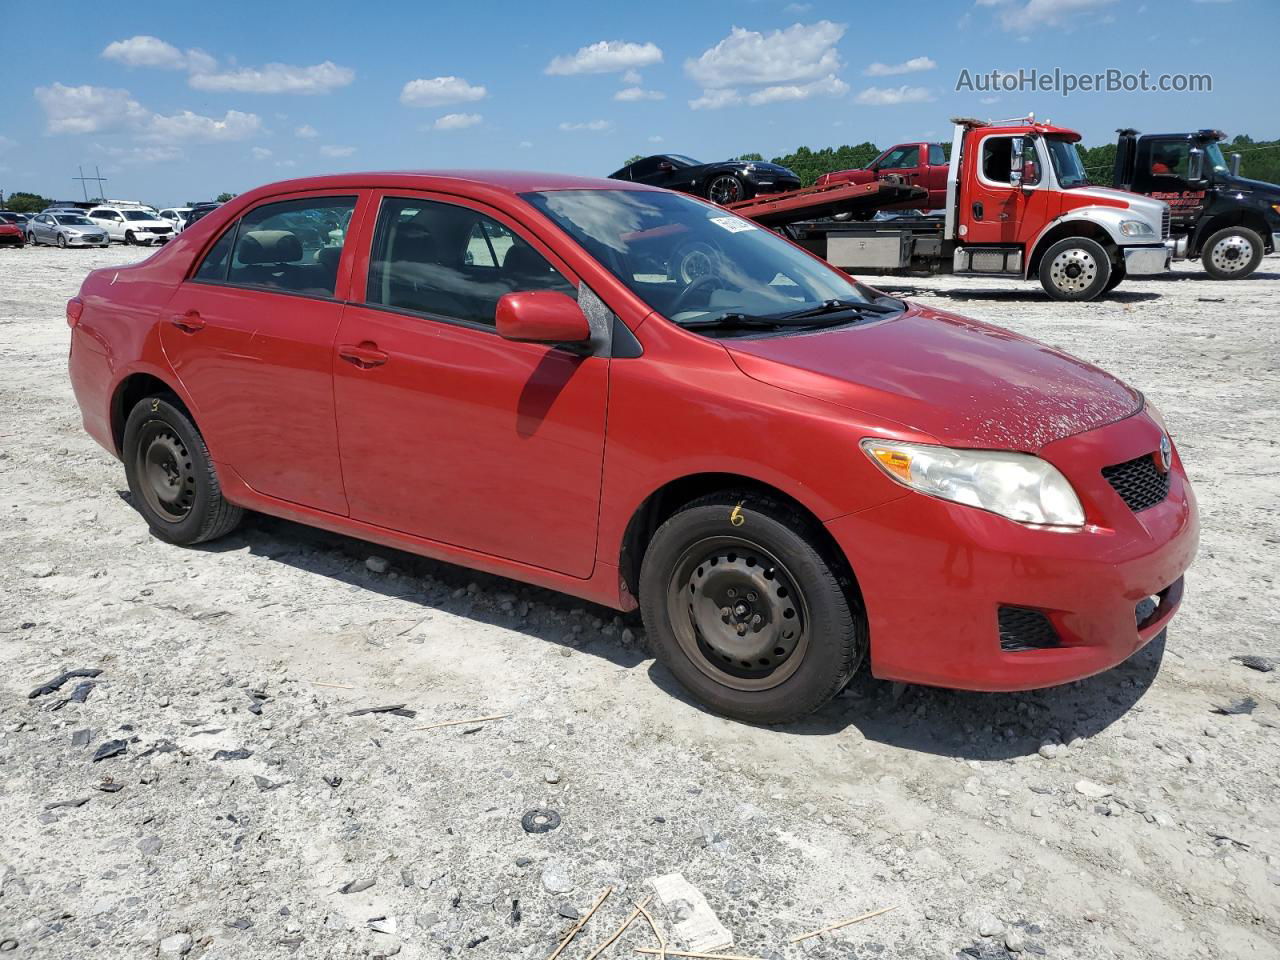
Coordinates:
(439, 91)
(606, 56)
(828, 86)
(146, 51)
(632, 78)
(526, 144)
(333, 151)
(893, 96)
(632, 94)
(457, 121)
(140, 156)
(989, 100)
(800, 52)
(715, 99)
(1035, 14)
(596, 126)
(276, 78)
(186, 125)
(914, 65)
(89, 109)
(797, 8)
(6, 143)
(306, 131)
(655, 139)
(286, 163)
(261, 153)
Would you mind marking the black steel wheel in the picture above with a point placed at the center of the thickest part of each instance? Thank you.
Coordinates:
(171, 475)
(744, 601)
(726, 189)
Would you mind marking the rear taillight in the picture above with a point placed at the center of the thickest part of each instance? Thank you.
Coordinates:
(75, 307)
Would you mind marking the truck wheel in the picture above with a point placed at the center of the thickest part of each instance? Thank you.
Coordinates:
(743, 607)
(1075, 268)
(1232, 253)
(1118, 273)
(171, 475)
(726, 189)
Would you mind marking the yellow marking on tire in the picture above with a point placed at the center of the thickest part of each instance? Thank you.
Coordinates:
(736, 518)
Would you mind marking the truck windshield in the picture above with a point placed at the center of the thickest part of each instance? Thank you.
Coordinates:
(1066, 162)
(696, 263)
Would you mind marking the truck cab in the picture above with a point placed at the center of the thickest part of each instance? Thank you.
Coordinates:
(1226, 220)
(918, 164)
(1017, 204)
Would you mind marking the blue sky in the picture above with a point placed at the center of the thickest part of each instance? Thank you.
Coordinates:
(177, 101)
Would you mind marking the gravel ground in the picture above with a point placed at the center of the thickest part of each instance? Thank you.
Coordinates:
(251, 816)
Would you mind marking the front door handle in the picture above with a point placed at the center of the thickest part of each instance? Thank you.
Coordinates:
(977, 209)
(188, 322)
(363, 355)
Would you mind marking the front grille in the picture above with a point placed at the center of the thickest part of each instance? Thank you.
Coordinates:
(1140, 483)
(162, 229)
(1023, 629)
(1164, 224)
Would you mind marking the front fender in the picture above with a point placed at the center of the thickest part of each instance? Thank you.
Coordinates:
(1105, 218)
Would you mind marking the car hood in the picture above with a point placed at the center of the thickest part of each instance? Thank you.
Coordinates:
(774, 169)
(965, 383)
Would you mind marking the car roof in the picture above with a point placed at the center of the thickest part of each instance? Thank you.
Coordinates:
(507, 181)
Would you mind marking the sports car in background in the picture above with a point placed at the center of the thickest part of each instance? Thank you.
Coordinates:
(725, 182)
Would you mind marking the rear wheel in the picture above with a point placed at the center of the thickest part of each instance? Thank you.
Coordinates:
(171, 475)
(744, 607)
(1075, 268)
(1232, 253)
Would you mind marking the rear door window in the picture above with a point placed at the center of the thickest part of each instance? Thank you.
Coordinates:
(293, 246)
(450, 261)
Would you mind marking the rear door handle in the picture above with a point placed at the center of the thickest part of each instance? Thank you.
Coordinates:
(188, 322)
(363, 355)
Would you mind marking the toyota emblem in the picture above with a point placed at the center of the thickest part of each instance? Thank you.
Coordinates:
(1166, 452)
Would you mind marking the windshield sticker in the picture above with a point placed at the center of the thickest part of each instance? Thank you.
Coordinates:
(732, 224)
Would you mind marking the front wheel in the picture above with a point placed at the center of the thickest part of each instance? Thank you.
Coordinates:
(62, 240)
(745, 608)
(1118, 273)
(1075, 268)
(171, 475)
(1232, 253)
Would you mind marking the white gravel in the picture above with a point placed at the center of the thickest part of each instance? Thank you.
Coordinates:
(1148, 829)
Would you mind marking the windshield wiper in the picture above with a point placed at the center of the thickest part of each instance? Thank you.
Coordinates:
(840, 306)
(735, 321)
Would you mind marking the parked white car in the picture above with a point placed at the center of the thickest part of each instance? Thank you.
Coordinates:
(177, 217)
(132, 225)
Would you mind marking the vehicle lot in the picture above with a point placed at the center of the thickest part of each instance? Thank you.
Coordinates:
(1147, 828)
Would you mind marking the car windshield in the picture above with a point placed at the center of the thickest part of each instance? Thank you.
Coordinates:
(680, 160)
(698, 264)
(138, 215)
(76, 221)
(1066, 162)
(1213, 154)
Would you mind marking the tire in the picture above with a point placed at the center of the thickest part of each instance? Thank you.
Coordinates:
(62, 241)
(129, 238)
(171, 475)
(1075, 268)
(1232, 253)
(31, 239)
(726, 189)
(1118, 273)
(793, 638)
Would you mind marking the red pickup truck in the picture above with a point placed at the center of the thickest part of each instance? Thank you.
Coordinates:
(916, 164)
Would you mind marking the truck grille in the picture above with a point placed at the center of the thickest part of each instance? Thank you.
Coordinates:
(1164, 224)
(1022, 629)
(1140, 483)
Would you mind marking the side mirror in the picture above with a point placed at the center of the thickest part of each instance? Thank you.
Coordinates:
(542, 316)
(1234, 164)
(665, 166)
(1015, 161)
(1195, 164)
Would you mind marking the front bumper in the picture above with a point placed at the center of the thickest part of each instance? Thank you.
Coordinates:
(100, 241)
(934, 574)
(1146, 261)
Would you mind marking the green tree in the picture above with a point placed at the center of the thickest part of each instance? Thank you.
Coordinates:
(22, 202)
(751, 157)
(224, 197)
(632, 159)
(809, 164)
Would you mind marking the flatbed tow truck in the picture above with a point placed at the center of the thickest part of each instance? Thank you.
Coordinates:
(1017, 205)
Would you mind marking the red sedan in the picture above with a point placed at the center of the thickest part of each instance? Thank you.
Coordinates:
(639, 398)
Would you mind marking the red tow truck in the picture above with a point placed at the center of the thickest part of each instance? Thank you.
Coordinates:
(917, 164)
(1017, 204)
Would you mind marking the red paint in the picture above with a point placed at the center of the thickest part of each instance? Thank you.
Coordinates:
(529, 461)
(541, 316)
(921, 173)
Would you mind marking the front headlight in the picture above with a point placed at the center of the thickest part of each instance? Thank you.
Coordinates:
(1015, 485)
(1136, 228)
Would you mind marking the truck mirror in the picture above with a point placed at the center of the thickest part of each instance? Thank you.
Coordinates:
(1234, 165)
(1195, 164)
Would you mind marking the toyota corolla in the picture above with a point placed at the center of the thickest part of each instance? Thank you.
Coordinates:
(789, 473)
